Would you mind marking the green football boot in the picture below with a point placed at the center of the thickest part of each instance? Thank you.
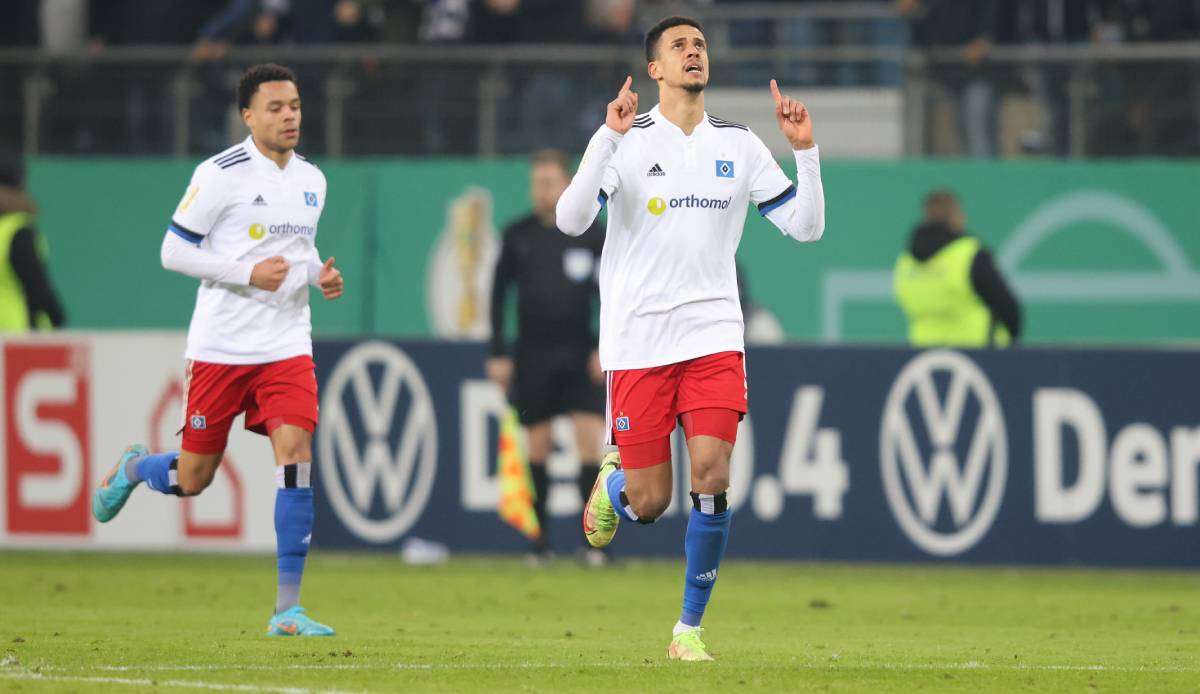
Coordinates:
(599, 517)
(688, 647)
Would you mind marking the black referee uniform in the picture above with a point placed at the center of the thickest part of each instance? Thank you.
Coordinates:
(555, 276)
(557, 292)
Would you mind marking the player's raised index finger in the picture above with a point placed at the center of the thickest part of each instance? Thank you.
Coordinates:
(328, 263)
(628, 83)
(775, 92)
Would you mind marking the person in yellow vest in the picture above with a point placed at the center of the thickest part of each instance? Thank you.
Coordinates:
(27, 299)
(948, 284)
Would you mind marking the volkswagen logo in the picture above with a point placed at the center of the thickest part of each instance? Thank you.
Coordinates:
(377, 442)
(942, 442)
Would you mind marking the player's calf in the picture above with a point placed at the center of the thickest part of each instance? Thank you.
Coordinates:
(645, 504)
(194, 472)
(641, 491)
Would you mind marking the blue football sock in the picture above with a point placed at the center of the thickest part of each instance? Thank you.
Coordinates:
(293, 531)
(158, 471)
(131, 470)
(704, 545)
(616, 494)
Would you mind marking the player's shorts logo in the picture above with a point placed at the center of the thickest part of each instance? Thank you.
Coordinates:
(199, 422)
(656, 206)
(257, 231)
(310, 199)
(946, 481)
(724, 169)
(622, 424)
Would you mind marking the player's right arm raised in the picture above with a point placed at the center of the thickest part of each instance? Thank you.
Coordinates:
(595, 180)
(796, 208)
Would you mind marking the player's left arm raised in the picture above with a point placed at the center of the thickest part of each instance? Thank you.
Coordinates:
(794, 120)
(797, 208)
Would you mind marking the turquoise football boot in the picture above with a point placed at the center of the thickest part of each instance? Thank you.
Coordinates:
(293, 622)
(114, 491)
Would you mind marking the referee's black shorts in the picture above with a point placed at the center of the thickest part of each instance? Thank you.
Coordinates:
(553, 379)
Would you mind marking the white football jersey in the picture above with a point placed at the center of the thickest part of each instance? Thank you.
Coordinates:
(676, 210)
(242, 206)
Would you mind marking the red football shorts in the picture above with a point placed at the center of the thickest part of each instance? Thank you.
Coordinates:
(281, 392)
(708, 393)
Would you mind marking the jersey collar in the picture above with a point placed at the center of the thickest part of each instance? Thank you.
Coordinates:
(261, 159)
(656, 115)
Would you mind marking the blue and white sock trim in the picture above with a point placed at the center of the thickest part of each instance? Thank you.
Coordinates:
(295, 476)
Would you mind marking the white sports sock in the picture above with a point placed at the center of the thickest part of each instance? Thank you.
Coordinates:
(680, 628)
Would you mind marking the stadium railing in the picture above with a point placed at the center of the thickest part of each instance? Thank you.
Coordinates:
(1112, 99)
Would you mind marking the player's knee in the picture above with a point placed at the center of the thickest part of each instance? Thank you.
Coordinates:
(294, 456)
(649, 504)
(291, 455)
(712, 479)
(194, 480)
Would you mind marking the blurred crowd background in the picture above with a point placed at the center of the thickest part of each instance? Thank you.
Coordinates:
(980, 78)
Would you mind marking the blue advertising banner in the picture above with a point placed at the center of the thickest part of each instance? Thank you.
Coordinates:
(1022, 456)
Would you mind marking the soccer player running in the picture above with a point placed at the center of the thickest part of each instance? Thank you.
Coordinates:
(677, 181)
(246, 228)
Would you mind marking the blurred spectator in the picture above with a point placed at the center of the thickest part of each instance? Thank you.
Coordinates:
(538, 96)
(445, 21)
(27, 299)
(968, 25)
(807, 32)
(357, 22)
(526, 21)
(135, 22)
(948, 284)
(291, 21)
(449, 116)
(1146, 108)
(612, 21)
(1057, 22)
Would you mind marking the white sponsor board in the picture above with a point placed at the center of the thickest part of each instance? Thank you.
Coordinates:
(71, 404)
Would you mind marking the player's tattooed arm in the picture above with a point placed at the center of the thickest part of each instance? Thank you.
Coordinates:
(793, 118)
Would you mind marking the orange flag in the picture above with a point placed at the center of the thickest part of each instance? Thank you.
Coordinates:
(516, 485)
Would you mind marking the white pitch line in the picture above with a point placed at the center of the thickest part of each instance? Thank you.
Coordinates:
(142, 682)
(831, 666)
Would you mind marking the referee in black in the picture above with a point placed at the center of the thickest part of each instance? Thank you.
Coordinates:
(554, 368)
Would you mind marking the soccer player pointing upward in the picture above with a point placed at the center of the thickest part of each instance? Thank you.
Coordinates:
(677, 181)
(246, 228)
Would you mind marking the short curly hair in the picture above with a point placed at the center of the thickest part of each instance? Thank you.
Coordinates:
(256, 75)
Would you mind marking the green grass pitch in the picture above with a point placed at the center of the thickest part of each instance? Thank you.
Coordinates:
(105, 622)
